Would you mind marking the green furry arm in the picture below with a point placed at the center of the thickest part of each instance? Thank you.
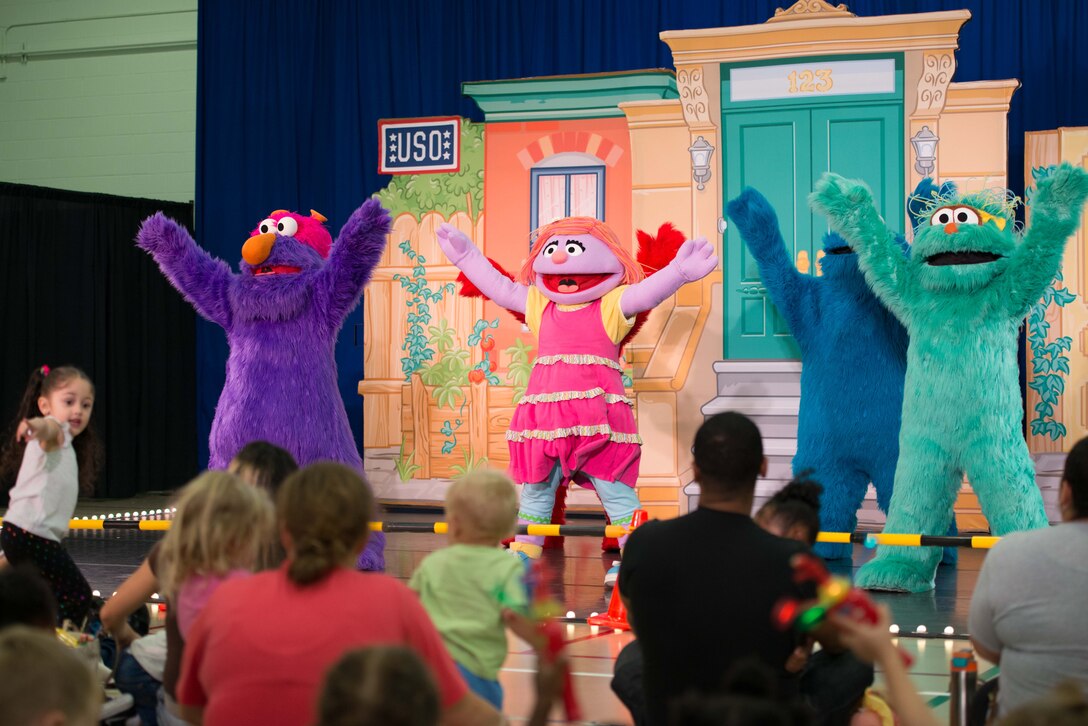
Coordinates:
(848, 206)
(1056, 208)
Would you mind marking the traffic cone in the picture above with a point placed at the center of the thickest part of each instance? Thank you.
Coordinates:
(616, 617)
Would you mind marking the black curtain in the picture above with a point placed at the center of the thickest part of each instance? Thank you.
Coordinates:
(76, 290)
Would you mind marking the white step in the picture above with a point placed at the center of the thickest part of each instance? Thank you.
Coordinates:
(754, 406)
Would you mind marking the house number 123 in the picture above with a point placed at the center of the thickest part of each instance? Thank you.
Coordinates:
(811, 81)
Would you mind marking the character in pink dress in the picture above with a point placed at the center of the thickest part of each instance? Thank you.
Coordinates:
(579, 291)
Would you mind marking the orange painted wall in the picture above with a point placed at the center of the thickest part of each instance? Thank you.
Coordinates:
(507, 193)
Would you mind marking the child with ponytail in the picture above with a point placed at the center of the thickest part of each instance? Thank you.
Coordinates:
(52, 455)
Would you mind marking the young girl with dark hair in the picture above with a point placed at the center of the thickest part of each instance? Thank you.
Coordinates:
(60, 456)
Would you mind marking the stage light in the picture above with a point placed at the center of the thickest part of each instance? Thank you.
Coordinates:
(893, 629)
(949, 630)
(921, 629)
(593, 615)
(154, 596)
(570, 615)
(96, 593)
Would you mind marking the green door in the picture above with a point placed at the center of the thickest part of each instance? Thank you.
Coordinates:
(781, 146)
(862, 142)
(769, 151)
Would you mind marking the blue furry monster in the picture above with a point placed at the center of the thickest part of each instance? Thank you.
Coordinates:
(854, 355)
(962, 295)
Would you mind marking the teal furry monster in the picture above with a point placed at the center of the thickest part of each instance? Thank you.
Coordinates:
(962, 295)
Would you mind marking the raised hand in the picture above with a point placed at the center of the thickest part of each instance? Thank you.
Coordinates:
(162, 236)
(454, 243)
(839, 199)
(695, 259)
(1060, 191)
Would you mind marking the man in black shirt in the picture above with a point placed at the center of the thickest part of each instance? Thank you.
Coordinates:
(700, 589)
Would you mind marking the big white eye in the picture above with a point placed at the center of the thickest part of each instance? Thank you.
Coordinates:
(574, 248)
(268, 225)
(966, 215)
(550, 248)
(287, 227)
(941, 217)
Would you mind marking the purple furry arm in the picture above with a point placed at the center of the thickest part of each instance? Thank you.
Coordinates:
(203, 280)
(357, 251)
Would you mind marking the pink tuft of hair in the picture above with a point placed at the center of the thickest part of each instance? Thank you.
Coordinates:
(311, 230)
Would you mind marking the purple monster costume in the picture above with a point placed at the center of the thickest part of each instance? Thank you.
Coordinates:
(281, 314)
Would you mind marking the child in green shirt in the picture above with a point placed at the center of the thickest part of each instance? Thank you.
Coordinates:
(472, 589)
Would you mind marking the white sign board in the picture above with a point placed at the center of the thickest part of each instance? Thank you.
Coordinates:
(813, 79)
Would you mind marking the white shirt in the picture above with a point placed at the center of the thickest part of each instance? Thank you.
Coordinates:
(45, 492)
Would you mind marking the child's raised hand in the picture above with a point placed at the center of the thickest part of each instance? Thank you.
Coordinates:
(25, 433)
(872, 642)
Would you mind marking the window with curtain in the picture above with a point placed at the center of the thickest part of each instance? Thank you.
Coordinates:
(559, 192)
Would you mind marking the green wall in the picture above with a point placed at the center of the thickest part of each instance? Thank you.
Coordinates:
(99, 95)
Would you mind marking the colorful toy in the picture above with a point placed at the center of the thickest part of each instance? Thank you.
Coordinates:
(544, 610)
(962, 295)
(834, 595)
(281, 314)
(579, 291)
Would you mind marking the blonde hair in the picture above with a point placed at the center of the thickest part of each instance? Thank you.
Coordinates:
(41, 676)
(326, 509)
(484, 502)
(379, 686)
(632, 270)
(221, 524)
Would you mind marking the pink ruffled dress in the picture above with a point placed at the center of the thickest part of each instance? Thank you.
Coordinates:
(574, 411)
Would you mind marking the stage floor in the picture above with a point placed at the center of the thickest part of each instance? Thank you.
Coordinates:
(108, 557)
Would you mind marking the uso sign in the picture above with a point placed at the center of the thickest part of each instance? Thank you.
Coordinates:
(419, 145)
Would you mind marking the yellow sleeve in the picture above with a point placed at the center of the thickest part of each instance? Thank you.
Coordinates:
(615, 324)
(534, 309)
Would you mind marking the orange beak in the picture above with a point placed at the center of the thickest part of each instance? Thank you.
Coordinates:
(949, 228)
(258, 247)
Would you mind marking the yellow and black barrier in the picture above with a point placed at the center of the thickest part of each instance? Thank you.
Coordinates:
(870, 539)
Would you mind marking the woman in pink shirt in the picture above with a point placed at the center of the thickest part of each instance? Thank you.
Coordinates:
(261, 646)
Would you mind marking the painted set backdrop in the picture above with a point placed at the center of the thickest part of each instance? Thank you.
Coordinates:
(299, 130)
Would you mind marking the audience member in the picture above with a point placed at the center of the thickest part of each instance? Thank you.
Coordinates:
(261, 646)
(26, 599)
(832, 680)
(1066, 705)
(44, 682)
(379, 686)
(263, 465)
(466, 587)
(873, 644)
(220, 526)
(709, 577)
(1030, 597)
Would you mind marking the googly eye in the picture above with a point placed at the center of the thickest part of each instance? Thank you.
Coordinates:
(942, 216)
(966, 215)
(550, 248)
(574, 248)
(268, 225)
(287, 226)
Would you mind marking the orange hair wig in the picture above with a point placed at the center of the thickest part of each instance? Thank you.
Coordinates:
(632, 271)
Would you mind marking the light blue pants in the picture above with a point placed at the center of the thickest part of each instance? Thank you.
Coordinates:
(538, 500)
